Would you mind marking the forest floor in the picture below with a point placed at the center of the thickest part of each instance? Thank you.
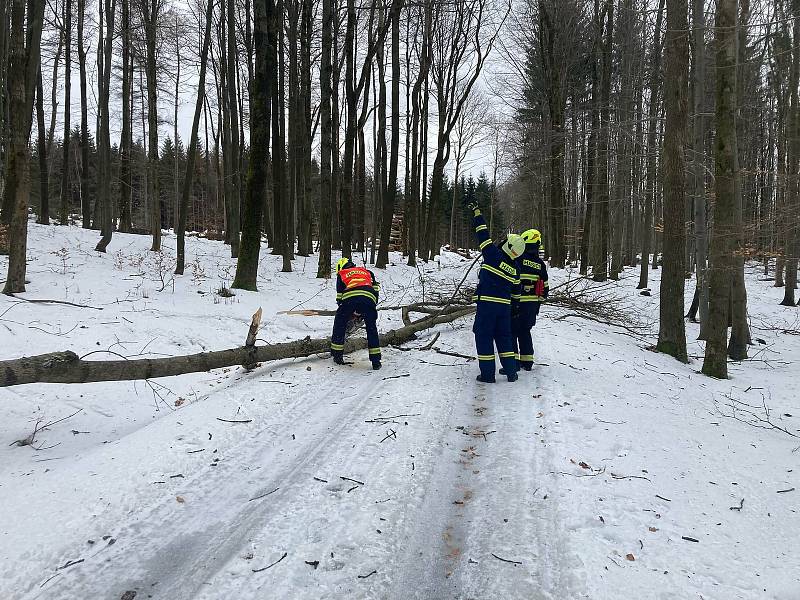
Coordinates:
(609, 471)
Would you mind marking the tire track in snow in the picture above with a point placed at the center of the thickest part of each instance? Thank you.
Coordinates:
(192, 550)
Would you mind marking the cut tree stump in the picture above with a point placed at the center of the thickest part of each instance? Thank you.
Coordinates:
(67, 367)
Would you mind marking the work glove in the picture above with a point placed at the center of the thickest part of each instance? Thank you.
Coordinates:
(473, 207)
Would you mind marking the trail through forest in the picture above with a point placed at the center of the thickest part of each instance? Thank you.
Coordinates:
(607, 467)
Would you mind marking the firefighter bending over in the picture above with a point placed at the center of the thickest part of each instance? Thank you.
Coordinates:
(357, 296)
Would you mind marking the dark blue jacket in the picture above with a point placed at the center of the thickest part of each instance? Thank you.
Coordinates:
(498, 279)
(532, 269)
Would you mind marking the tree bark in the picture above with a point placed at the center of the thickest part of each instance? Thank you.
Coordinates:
(107, 8)
(233, 111)
(126, 140)
(698, 162)
(86, 202)
(724, 233)
(602, 212)
(151, 17)
(44, 179)
(792, 213)
(66, 172)
(671, 331)
(191, 153)
(327, 201)
(652, 118)
(24, 56)
(247, 264)
(391, 184)
(67, 367)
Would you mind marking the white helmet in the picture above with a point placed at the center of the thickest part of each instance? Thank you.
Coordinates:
(514, 245)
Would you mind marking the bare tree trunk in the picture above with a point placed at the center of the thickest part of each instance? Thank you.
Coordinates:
(551, 35)
(66, 191)
(24, 57)
(652, 118)
(793, 196)
(622, 181)
(175, 213)
(126, 141)
(44, 180)
(724, 232)
(67, 367)
(600, 269)
(418, 138)
(740, 330)
(391, 184)
(107, 8)
(191, 153)
(86, 201)
(327, 202)
(278, 146)
(671, 331)
(233, 104)
(151, 18)
(698, 163)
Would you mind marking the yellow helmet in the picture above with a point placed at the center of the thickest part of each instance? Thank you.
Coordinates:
(532, 236)
(341, 264)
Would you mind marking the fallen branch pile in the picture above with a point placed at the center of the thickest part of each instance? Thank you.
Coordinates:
(606, 303)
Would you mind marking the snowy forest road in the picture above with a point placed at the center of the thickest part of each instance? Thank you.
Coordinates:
(608, 472)
(425, 508)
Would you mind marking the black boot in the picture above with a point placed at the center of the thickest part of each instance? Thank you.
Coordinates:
(482, 380)
(376, 365)
(512, 377)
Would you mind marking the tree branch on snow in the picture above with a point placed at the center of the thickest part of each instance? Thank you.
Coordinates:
(29, 441)
(67, 367)
(744, 413)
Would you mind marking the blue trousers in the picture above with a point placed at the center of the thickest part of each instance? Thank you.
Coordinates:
(523, 320)
(493, 327)
(366, 308)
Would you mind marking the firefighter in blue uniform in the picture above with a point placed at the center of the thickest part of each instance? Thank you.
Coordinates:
(356, 294)
(534, 290)
(498, 280)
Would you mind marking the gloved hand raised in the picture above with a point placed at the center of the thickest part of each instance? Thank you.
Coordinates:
(472, 206)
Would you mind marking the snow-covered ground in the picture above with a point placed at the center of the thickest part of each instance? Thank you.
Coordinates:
(609, 471)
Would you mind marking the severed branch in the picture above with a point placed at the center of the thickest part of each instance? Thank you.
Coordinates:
(67, 367)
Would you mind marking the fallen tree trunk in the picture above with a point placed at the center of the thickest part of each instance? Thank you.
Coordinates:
(68, 367)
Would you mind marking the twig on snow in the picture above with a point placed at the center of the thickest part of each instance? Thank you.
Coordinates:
(270, 566)
(353, 480)
(28, 441)
(264, 495)
(38, 301)
(455, 354)
(739, 508)
(615, 476)
(397, 376)
(373, 572)
(506, 560)
(234, 421)
(70, 563)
